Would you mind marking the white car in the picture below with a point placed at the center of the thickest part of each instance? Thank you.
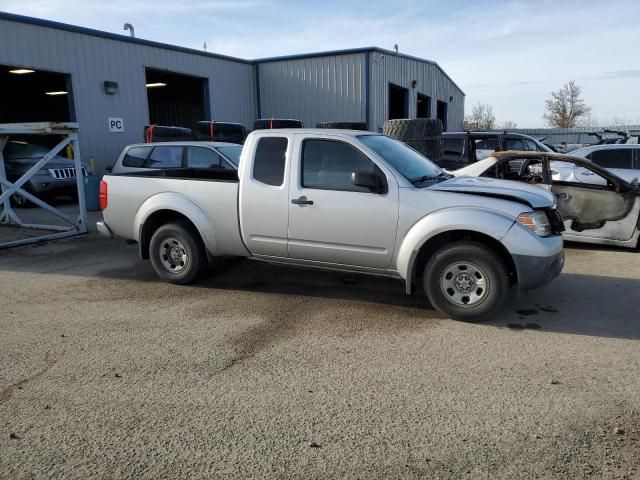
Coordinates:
(621, 159)
(596, 205)
(170, 155)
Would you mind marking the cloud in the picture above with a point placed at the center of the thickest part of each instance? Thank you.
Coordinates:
(509, 53)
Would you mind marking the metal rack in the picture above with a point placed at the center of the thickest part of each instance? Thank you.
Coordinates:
(8, 216)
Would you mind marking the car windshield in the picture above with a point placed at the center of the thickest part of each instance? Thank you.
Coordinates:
(409, 163)
(232, 153)
(15, 150)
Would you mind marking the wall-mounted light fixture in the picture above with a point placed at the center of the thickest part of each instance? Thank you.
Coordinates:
(110, 88)
(414, 83)
(451, 99)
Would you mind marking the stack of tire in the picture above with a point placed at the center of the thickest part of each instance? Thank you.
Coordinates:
(213, 131)
(421, 134)
(268, 123)
(162, 133)
(343, 125)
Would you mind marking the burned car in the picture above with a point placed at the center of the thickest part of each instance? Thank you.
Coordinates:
(605, 210)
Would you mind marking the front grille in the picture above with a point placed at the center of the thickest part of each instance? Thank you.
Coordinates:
(62, 173)
(555, 220)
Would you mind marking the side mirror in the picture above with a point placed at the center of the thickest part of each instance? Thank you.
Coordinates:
(109, 169)
(372, 182)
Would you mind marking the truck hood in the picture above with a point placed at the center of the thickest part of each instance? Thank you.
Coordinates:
(535, 197)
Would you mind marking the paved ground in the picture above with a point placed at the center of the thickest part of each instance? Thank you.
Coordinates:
(268, 372)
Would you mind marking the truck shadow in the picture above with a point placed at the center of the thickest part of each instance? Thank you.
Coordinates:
(573, 303)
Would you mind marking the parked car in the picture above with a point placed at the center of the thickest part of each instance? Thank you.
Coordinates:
(167, 155)
(344, 200)
(620, 159)
(596, 205)
(56, 178)
(463, 148)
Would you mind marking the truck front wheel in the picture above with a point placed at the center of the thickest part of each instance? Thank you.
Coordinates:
(177, 253)
(466, 281)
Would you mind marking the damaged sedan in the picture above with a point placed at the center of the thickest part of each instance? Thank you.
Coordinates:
(596, 205)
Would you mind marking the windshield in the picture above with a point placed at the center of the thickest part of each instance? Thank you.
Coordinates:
(409, 163)
(232, 153)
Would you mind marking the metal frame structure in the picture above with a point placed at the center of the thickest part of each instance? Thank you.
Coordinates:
(8, 216)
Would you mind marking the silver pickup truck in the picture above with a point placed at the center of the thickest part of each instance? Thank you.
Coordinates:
(344, 200)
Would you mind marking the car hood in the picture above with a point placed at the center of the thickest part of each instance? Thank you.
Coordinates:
(535, 197)
(24, 164)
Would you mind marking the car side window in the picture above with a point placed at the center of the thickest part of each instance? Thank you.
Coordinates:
(330, 164)
(269, 160)
(531, 146)
(453, 147)
(169, 156)
(136, 157)
(513, 144)
(613, 158)
(202, 157)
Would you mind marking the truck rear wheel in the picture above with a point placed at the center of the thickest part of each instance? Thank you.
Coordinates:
(177, 253)
(466, 281)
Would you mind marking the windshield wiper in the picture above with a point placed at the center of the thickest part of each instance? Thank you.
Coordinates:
(429, 178)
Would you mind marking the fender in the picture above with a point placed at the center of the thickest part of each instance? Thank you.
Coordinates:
(179, 203)
(476, 219)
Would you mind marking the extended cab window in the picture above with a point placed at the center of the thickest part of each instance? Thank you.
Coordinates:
(329, 165)
(201, 157)
(169, 156)
(269, 162)
(136, 157)
(614, 158)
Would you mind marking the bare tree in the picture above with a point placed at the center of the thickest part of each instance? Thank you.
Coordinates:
(565, 108)
(508, 125)
(481, 118)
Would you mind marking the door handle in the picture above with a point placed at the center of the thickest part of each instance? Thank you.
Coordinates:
(302, 201)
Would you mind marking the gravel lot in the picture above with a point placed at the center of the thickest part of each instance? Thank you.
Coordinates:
(268, 372)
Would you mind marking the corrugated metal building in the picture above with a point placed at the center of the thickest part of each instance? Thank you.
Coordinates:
(361, 85)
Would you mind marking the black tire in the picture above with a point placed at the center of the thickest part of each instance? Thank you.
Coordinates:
(485, 275)
(267, 123)
(220, 132)
(416, 129)
(162, 133)
(343, 125)
(181, 235)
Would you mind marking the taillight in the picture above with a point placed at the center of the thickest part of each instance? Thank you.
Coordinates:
(104, 196)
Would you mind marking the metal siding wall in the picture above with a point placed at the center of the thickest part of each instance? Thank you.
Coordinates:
(314, 90)
(431, 81)
(91, 60)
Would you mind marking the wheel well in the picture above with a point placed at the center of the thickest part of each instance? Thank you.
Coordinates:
(433, 244)
(155, 221)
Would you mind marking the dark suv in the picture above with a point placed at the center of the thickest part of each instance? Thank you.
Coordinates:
(463, 148)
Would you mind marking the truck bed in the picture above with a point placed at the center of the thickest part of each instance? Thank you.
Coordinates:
(210, 194)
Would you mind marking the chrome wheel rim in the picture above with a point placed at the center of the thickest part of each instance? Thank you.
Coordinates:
(465, 284)
(173, 255)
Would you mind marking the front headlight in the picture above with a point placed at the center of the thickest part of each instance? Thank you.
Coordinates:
(536, 221)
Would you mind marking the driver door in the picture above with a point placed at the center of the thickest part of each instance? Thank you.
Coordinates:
(330, 219)
(604, 208)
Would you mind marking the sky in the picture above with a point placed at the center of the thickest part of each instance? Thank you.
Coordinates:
(508, 54)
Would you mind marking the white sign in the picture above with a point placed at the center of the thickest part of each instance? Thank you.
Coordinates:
(116, 125)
